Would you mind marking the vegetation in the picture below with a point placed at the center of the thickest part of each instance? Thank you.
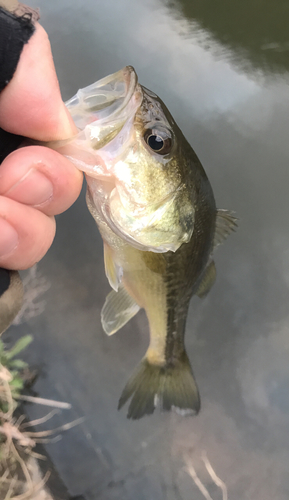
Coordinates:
(16, 442)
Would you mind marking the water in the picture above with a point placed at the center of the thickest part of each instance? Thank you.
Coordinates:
(222, 69)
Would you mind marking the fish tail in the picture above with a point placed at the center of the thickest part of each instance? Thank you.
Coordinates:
(170, 387)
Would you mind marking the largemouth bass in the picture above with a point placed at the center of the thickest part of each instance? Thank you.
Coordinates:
(156, 212)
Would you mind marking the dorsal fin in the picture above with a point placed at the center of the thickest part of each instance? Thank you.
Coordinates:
(226, 222)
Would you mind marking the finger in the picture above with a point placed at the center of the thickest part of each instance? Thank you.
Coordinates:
(31, 103)
(26, 234)
(40, 177)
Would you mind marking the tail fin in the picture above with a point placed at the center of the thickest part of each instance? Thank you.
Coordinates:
(168, 386)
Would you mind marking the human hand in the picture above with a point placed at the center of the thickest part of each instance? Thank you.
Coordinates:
(36, 183)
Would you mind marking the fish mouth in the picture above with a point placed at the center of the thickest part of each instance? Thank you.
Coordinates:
(105, 97)
(101, 109)
(101, 112)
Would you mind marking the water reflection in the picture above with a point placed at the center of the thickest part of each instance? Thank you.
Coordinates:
(256, 32)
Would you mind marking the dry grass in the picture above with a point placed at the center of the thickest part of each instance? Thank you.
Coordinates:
(19, 472)
(16, 446)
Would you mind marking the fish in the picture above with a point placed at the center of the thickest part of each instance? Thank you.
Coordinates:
(156, 212)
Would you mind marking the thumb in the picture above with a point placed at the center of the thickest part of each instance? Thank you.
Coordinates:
(31, 103)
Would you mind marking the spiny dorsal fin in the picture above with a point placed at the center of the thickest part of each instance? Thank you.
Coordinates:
(226, 222)
(118, 309)
(208, 280)
(112, 270)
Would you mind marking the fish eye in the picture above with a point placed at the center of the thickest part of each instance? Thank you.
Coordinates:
(158, 140)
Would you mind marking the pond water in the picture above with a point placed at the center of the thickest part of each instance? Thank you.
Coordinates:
(221, 67)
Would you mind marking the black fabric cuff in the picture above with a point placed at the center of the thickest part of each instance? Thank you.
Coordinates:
(8, 143)
(4, 280)
(14, 33)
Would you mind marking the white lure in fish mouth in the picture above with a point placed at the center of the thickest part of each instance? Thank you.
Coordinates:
(111, 152)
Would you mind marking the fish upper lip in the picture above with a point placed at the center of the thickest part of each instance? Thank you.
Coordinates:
(105, 100)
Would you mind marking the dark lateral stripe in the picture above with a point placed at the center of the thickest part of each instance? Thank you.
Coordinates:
(177, 309)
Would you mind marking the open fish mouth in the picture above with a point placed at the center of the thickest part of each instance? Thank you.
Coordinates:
(101, 112)
(101, 109)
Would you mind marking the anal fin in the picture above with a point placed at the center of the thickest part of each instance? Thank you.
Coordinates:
(208, 280)
(118, 309)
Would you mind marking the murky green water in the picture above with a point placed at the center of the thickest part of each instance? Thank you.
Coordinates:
(222, 69)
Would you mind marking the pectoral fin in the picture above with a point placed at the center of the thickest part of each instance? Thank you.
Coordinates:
(118, 309)
(208, 280)
(112, 270)
(226, 222)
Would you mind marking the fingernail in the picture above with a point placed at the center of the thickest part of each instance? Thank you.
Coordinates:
(8, 238)
(33, 189)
